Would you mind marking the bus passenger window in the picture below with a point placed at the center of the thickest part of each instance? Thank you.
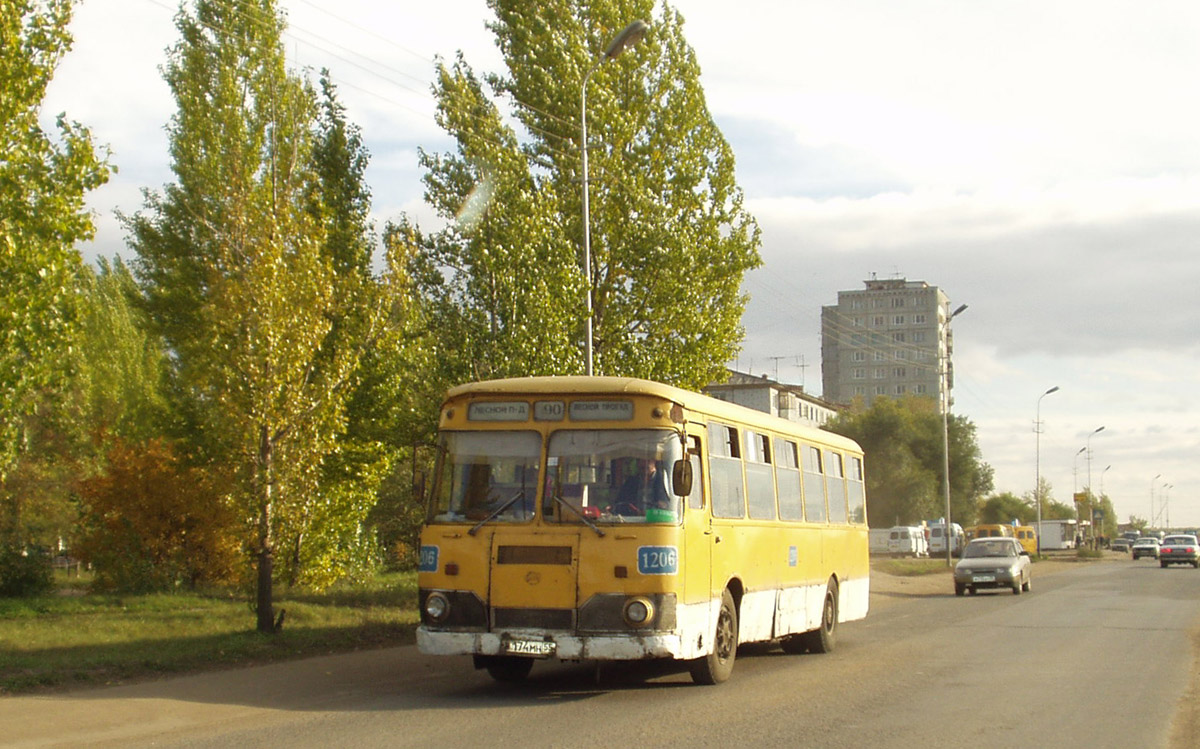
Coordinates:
(725, 472)
(835, 482)
(760, 479)
(787, 479)
(856, 493)
(814, 485)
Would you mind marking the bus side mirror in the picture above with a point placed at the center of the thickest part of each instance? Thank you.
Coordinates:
(681, 477)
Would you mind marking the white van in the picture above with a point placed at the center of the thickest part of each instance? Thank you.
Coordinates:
(908, 541)
(937, 539)
(879, 540)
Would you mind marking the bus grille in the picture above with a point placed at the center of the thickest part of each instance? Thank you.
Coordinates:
(533, 618)
(533, 555)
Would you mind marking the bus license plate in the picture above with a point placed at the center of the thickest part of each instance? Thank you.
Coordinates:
(984, 579)
(535, 648)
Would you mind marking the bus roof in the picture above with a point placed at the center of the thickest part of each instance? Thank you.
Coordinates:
(583, 385)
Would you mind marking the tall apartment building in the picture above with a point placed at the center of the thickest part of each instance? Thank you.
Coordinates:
(886, 339)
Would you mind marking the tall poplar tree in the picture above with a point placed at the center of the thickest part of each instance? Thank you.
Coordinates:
(43, 182)
(234, 267)
(903, 446)
(670, 237)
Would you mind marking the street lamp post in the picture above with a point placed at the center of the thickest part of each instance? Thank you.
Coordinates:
(1037, 462)
(945, 348)
(1150, 520)
(1091, 504)
(1075, 471)
(629, 36)
(1075, 493)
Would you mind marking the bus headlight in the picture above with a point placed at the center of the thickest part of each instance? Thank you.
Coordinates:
(638, 612)
(437, 607)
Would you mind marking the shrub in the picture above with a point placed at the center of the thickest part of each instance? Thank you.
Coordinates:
(24, 574)
(150, 522)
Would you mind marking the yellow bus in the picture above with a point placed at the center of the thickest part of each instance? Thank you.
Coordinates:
(990, 530)
(605, 518)
(1027, 535)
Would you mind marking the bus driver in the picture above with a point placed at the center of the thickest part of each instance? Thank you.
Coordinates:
(644, 489)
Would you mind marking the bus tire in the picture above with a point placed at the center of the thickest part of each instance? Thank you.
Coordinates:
(794, 644)
(824, 638)
(716, 667)
(507, 668)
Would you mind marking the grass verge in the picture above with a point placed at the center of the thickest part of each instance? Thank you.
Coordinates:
(71, 639)
(910, 567)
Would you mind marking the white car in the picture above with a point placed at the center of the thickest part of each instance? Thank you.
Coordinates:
(993, 563)
(1179, 550)
(1146, 546)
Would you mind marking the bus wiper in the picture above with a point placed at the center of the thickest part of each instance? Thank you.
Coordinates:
(520, 493)
(578, 514)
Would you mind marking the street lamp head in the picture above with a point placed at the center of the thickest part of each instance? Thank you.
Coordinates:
(1080, 451)
(1051, 390)
(629, 36)
(961, 308)
(1098, 431)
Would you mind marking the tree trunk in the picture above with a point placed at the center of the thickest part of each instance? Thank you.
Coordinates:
(266, 558)
(266, 606)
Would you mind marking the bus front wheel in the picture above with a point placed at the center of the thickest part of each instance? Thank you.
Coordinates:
(506, 667)
(716, 667)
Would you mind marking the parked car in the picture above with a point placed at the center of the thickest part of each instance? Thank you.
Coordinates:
(1121, 544)
(993, 563)
(1146, 546)
(1179, 550)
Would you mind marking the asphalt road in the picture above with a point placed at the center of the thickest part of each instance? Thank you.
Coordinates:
(1097, 656)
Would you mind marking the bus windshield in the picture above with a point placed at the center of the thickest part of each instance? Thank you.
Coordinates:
(617, 476)
(481, 474)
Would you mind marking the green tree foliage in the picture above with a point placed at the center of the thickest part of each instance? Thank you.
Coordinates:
(1003, 507)
(122, 366)
(149, 522)
(903, 450)
(266, 318)
(671, 239)
(43, 182)
(1054, 510)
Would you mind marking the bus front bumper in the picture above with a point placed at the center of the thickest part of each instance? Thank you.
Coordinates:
(561, 645)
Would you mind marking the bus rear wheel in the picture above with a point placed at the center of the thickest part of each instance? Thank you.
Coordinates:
(507, 668)
(716, 667)
(824, 638)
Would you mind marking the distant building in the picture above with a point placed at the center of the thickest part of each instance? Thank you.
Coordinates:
(886, 339)
(763, 394)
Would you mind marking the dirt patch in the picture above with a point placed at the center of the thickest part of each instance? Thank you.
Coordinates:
(887, 589)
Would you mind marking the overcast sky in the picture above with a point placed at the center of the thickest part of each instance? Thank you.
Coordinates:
(1039, 160)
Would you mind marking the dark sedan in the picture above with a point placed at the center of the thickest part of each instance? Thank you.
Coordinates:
(1179, 550)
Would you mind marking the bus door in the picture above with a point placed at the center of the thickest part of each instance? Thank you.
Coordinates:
(534, 580)
(697, 530)
(727, 507)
